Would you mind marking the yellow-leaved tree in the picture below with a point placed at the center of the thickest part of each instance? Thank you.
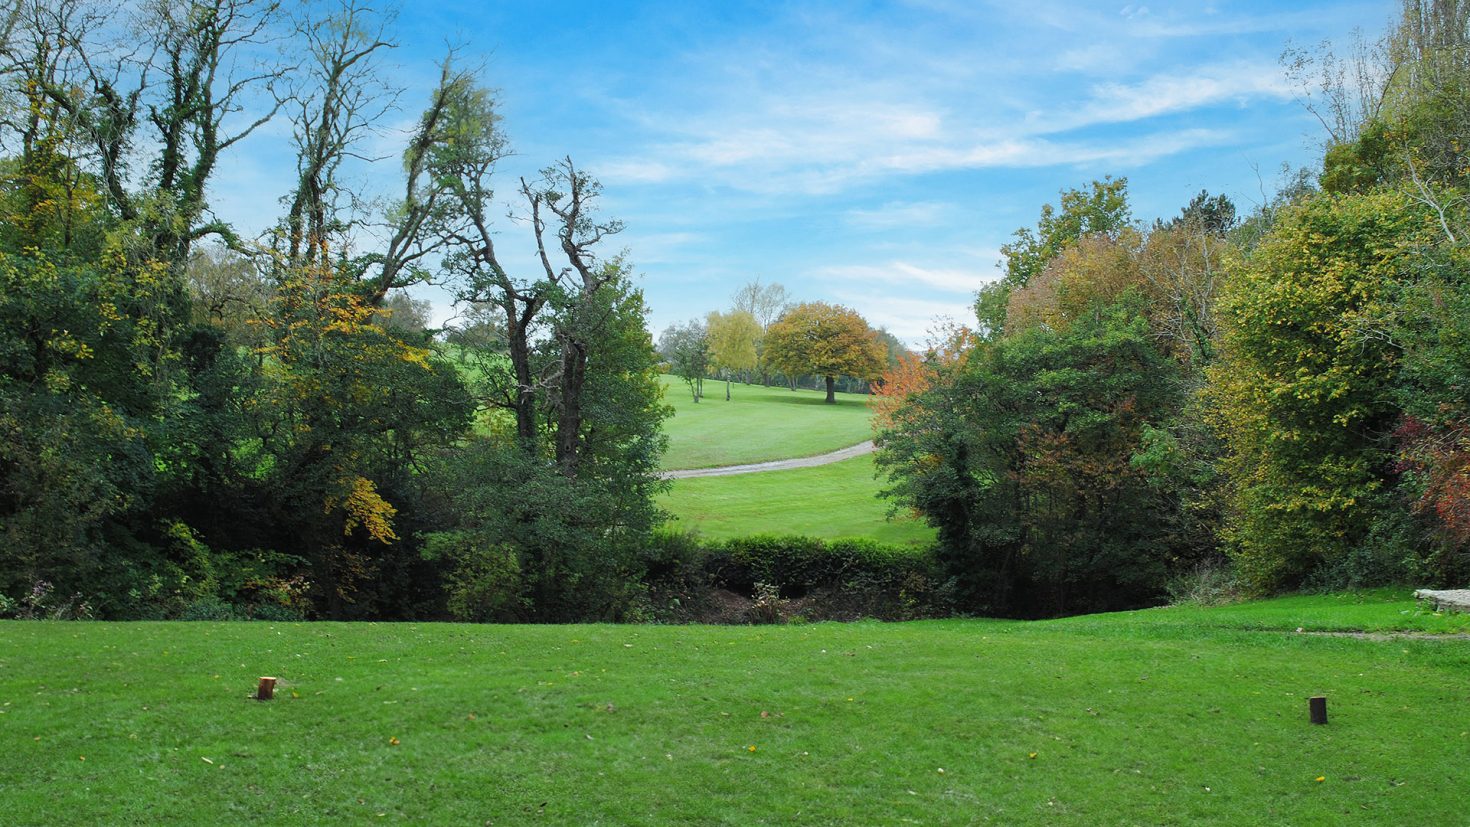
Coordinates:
(733, 338)
(827, 340)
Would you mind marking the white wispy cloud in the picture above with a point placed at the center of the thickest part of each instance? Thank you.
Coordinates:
(1169, 93)
(812, 141)
(900, 214)
(907, 317)
(906, 275)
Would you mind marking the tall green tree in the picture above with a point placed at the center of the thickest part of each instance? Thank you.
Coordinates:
(567, 384)
(1022, 455)
(686, 349)
(1303, 388)
(528, 542)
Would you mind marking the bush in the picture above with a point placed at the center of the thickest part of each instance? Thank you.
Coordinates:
(42, 603)
(789, 576)
(208, 608)
(1207, 584)
(484, 584)
(274, 613)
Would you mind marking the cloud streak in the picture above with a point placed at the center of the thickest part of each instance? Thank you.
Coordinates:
(904, 274)
(819, 141)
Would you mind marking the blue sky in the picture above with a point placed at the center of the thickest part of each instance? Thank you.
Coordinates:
(871, 154)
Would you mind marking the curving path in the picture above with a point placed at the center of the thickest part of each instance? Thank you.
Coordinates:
(774, 465)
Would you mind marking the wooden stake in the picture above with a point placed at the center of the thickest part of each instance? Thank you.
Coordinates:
(266, 689)
(1317, 706)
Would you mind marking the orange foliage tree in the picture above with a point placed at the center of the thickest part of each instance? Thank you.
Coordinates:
(827, 340)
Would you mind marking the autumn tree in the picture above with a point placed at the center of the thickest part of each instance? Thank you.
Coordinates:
(910, 374)
(1101, 209)
(826, 340)
(117, 144)
(1303, 386)
(1020, 453)
(733, 340)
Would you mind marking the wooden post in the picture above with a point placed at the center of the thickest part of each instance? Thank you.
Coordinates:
(1317, 706)
(266, 689)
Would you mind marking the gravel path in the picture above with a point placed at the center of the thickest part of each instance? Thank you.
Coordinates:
(775, 465)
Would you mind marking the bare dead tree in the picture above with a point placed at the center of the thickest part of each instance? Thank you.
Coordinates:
(1182, 265)
(343, 101)
(1431, 46)
(1424, 194)
(766, 302)
(411, 238)
(1342, 92)
(558, 303)
(332, 120)
(164, 94)
(569, 195)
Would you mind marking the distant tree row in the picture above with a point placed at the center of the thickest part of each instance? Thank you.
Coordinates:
(764, 336)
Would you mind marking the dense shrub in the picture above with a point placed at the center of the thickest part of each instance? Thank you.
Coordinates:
(792, 575)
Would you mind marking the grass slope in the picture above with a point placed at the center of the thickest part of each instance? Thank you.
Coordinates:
(757, 424)
(831, 501)
(1141, 718)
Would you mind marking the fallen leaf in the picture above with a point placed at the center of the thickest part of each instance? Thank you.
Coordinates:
(205, 760)
(393, 742)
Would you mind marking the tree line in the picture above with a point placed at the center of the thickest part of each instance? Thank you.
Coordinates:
(198, 423)
(764, 337)
(1220, 403)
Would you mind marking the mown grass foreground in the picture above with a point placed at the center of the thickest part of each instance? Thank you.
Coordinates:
(1172, 716)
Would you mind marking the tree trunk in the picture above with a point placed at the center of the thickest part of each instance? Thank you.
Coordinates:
(525, 403)
(831, 391)
(727, 389)
(569, 423)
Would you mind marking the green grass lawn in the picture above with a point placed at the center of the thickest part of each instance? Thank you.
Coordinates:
(830, 501)
(1135, 718)
(758, 424)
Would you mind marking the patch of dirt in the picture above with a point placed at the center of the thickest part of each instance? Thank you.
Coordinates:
(724, 607)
